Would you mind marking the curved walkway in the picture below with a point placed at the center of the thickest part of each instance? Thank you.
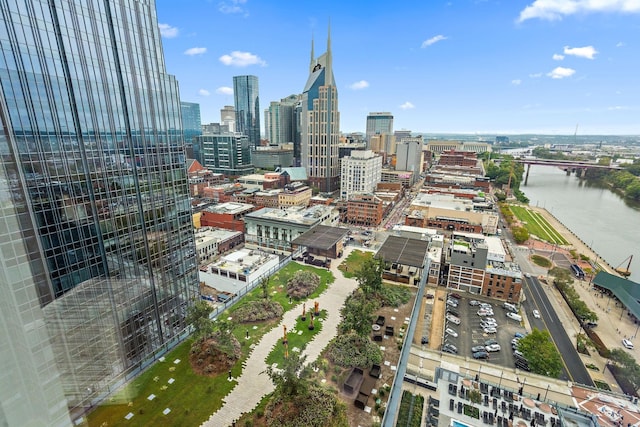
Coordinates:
(253, 383)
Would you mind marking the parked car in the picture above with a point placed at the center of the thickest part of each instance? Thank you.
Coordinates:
(481, 355)
(451, 332)
(453, 319)
(519, 355)
(520, 334)
(424, 340)
(452, 303)
(482, 312)
(536, 314)
(489, 326)
(490, 330)
(450, 348)
(514, 316)
(522, 364)
(474, 302)
(430, 296)
(451, 310)
(477, 348)
(515, 341)
(628, 344)
(455, 295)
(490, 341)
(492, 347)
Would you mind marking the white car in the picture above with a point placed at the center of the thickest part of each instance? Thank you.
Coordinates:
(482, 312)
(451, 332)
(452, 303)
(490, 330)
(628, 344)
(488, 325)
(492, 348)
(536, 314)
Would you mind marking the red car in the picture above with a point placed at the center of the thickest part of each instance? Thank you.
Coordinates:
(456, 296)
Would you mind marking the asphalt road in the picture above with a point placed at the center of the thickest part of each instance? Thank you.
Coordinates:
(537, 299)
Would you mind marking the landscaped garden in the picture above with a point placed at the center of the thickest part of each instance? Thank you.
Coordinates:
(171, 392)
(537, 225)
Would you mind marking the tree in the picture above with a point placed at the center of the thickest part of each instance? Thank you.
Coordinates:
(520, 234)
(562, 276)
(264, 284)
(357, 314)
(198, 317)
(289, 380)
(541, 353)
(628, 365)
(369, 276)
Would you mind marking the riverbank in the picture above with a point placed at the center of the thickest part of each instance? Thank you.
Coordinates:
(575, 242)
(613, 324)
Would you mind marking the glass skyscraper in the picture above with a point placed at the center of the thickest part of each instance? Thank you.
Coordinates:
(320, 123)
(247, 103)
(192, 127)
(96, 222)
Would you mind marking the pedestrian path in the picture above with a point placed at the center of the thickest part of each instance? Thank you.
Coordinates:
(254, 383)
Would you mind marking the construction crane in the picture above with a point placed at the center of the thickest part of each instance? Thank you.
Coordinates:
(625, 272)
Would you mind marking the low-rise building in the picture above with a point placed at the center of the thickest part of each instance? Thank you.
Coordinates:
(365, 210)
(275, 229)
(229, 216)
(233, 272)
(211, 242)
(435, 251)
(295, 194)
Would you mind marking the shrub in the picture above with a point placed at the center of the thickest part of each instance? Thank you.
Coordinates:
(302, 284)
(256, 311)
(350, 350)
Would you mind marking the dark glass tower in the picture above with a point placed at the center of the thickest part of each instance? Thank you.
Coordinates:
(247, 103)
(92, 152)
(191, 128)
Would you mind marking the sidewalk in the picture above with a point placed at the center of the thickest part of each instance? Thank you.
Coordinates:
(254, 384)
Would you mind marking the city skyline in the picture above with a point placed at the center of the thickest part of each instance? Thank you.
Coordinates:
(473, 67)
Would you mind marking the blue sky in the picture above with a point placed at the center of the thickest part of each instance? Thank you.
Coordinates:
(510, 66)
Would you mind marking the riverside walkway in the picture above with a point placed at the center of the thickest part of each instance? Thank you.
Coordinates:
(254, 383)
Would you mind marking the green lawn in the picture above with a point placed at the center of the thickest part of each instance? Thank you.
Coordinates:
(294, 339)
(193, 398)
(353, 263)
(541, 261)
(537, 225)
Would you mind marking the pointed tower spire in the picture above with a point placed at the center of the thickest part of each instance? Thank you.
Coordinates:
(312, 63)
(329, 65)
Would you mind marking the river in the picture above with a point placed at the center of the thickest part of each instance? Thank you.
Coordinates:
(598, 216)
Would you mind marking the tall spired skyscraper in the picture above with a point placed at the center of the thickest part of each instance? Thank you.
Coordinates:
(320, 127)
(98, 257)
(245, 94)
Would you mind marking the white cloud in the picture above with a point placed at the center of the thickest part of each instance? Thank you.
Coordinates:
(233, 6)
(242, 59)
(617, 108)
(362, 84)
(203, 92)
(620, 44)
(561, 73)
(167, 31)
(433, 40)
(535, 75)
(557, 9)
(558, 57)
(224, 90)
(583, 52)
(516, 82)
(407, 106)
(195, 51)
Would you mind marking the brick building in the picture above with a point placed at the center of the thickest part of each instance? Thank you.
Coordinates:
(229, 216)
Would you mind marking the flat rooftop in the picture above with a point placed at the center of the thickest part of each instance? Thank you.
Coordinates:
(404, 250)
(230, 208)
(322, 237)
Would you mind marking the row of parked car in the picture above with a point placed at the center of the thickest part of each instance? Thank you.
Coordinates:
(451, 317)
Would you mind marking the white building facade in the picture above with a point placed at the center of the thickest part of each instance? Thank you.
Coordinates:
(360, 173)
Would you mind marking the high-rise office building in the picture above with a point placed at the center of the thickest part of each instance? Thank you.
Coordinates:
(228, 117)
(228, 153)
(192, 127)
(98, 251)
(379, 124)
(321, 123)
(282, 120)
(409, 156)
(247, 103)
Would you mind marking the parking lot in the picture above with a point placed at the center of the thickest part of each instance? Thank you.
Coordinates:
(471, 334)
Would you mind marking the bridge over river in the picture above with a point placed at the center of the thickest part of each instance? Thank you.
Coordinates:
(567, 165)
